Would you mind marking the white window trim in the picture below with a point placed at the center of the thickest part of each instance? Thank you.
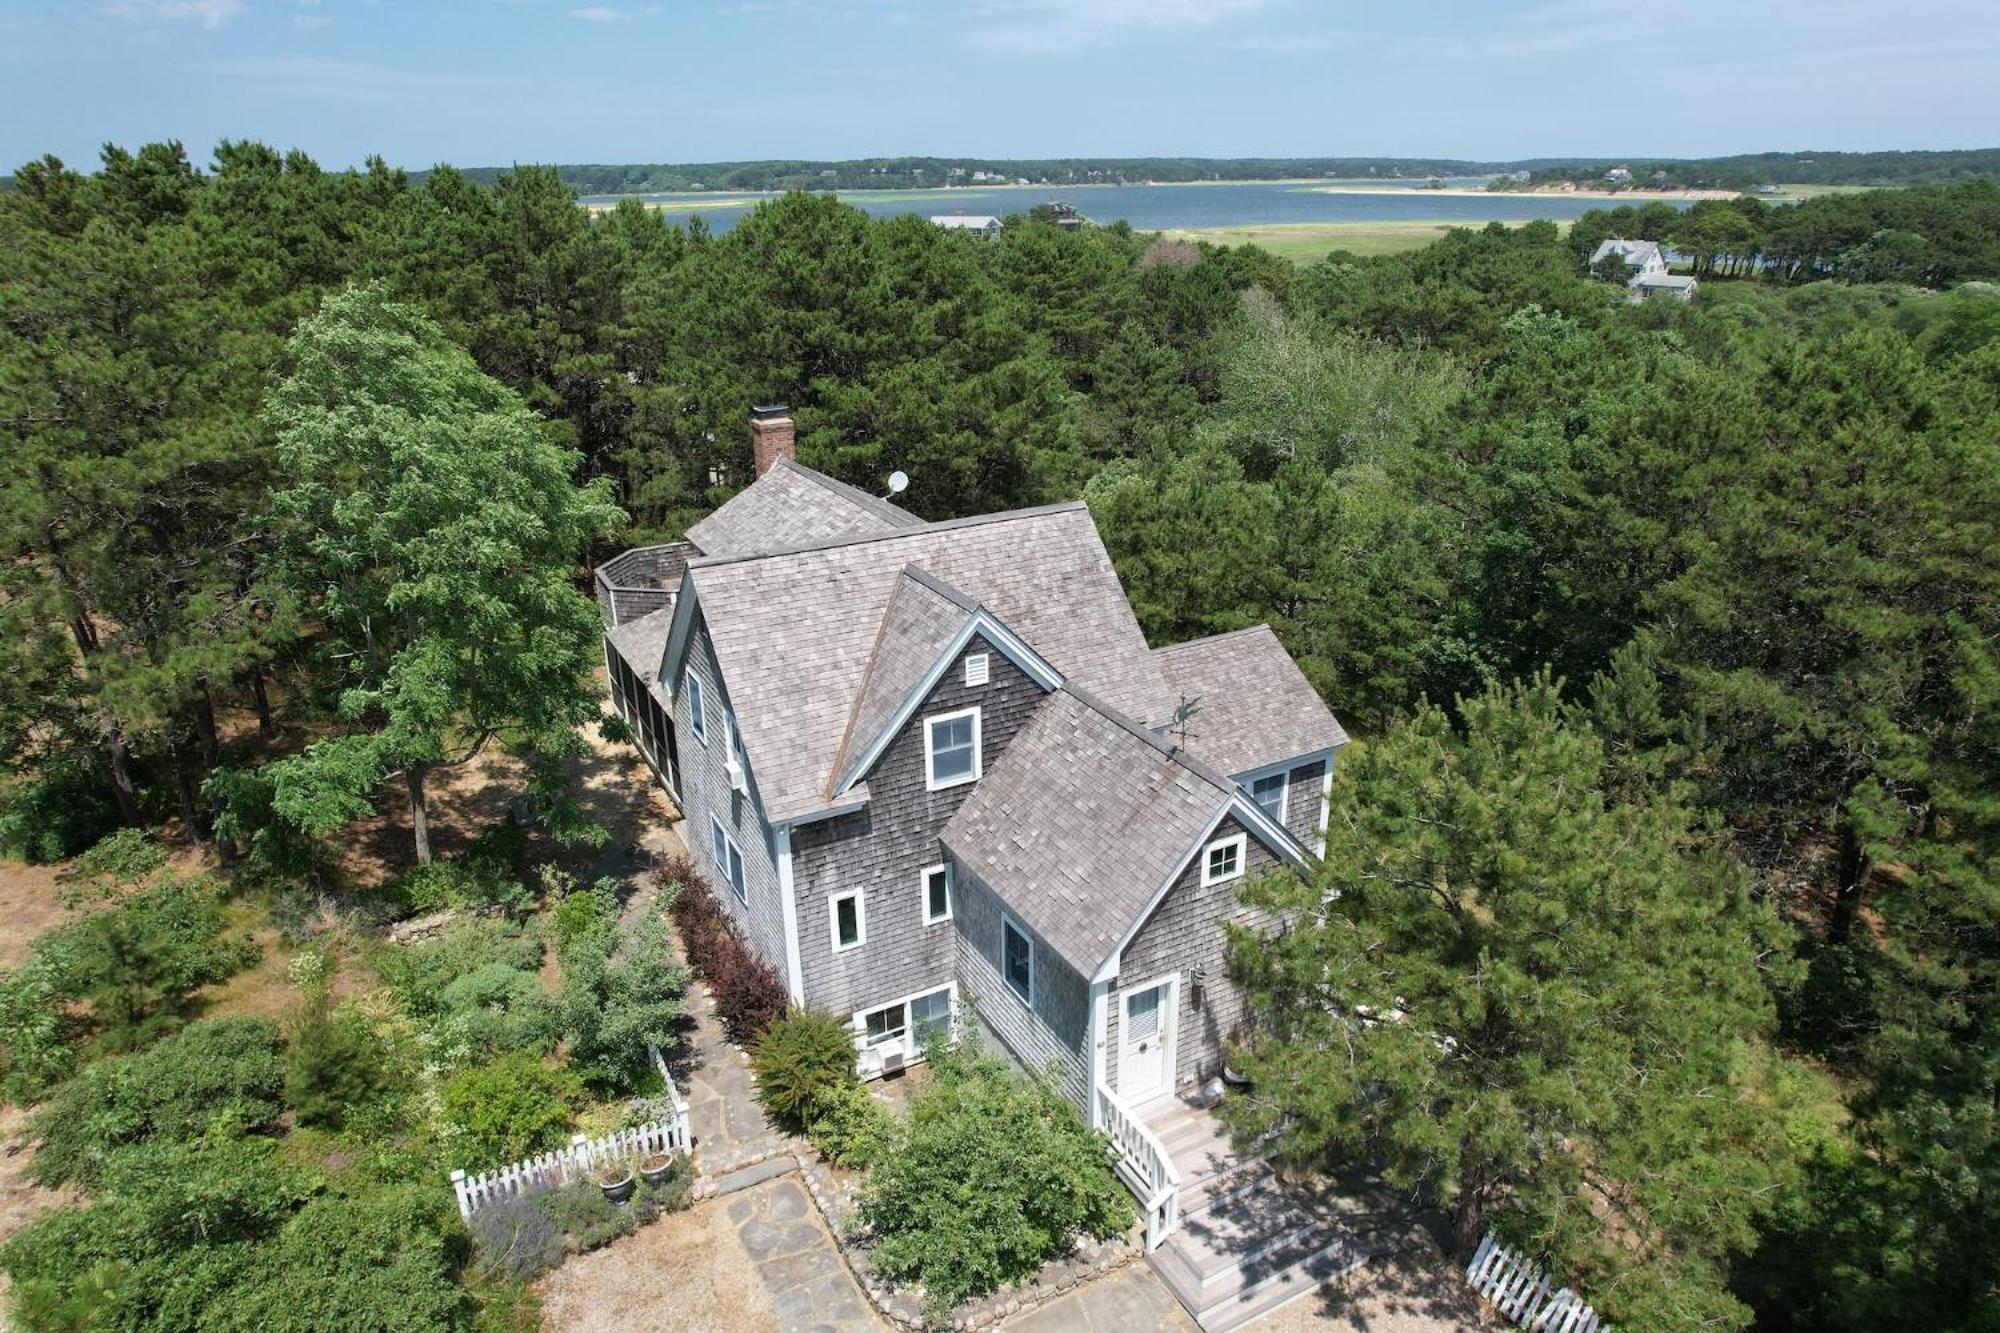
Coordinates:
(978, 766)
(742, 895)
(924, 892)
(913, 1050)
(1284, 776)
(697, 705)
(1006, 923)
(1241, 842)
(978, 669)
(860, 920)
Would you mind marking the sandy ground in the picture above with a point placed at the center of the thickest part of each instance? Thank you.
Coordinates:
(21, 1201)
(686, 1273)
(1414, 1291)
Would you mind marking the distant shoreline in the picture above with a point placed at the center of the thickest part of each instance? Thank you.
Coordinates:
(1540, 190)
(700, 198)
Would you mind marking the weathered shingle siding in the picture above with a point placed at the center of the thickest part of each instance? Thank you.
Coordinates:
(705, 790)
(1185, 932)
(1304, 798)
(1052, 1037)
(884, 849)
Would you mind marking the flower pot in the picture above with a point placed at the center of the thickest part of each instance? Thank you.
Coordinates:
(616, 1182)
(656, 1168)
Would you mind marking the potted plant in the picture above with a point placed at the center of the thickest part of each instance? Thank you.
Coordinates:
(657, 1167)
(615, 1179)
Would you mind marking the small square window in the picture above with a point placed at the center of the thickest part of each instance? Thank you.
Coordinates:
(937, 895)
(697, 708)
(932, 1014)
(886, 1024)
(951, 749)
(1270, 793)
(976, 667)
(1017, 959)
(850, 927)
(1222, 859)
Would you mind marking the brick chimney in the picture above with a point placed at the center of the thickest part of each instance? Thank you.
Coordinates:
(772, 436)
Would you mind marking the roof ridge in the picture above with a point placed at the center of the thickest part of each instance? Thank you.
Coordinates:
(1139, 729)
(1216, 638)
(882, 508)
(862, 539)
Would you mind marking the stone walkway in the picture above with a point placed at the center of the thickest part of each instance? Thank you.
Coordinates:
(1131, 1300)
(797, 1261)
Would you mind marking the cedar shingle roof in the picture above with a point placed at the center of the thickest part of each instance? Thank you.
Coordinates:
(792, 505)
(795, 630)
(1080, 821)
(642, 642)
(923, 616)
(1257, 707)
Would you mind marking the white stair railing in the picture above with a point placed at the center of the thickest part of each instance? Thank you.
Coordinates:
(1142, 1163)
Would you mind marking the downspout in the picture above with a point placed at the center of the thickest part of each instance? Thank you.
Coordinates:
(788, 906)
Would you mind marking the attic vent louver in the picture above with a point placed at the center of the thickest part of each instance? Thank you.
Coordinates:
(976, 669)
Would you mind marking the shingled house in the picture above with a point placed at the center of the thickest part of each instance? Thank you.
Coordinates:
(926, 761)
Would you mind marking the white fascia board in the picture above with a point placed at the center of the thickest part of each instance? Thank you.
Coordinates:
(788, 906)
(1250, 775)
(980, 622)
(678, 637)
(1247, 813)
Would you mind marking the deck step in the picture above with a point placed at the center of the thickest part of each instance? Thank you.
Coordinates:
(1204, 1193)
(1253, 1246)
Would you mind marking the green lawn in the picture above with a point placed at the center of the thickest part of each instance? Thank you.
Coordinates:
(1308, 242)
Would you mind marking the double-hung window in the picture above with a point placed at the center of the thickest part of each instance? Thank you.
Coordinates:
(1270, 793)
(932, 1014)
(697, 708)
(937, 895)
(951, 749)
(847, 921)
(1222, 859)
(728, 858)
(886, 1024)
(1017, 959)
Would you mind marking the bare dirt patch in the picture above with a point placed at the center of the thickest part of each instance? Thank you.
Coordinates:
(21, 1201)
(686, 1273)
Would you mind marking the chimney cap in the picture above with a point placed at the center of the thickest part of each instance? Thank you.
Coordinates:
(769, 411)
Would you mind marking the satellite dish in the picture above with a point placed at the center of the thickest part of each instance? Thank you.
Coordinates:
(898, 482)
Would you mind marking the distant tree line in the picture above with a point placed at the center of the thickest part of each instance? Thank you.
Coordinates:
(1747, 171)
(1668, 632)
(1934, 235)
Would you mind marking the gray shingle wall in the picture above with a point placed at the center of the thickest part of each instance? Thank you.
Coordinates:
(1303, 802)
(884, 849)
(1053, 1037)
(705, 790)
(1184, 932)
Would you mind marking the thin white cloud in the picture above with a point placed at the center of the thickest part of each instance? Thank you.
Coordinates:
(1054, 27)
(599, 14)
(208, 13)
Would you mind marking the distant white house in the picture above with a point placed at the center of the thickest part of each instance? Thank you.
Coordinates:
(1618, 175)
(983, 225)
(1641, 257)
(1670, 286)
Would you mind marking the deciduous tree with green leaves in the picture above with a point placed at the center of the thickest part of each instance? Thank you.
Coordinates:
(1539, 1010)
(434, 529)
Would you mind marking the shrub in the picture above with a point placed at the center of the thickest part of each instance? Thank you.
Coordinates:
(219, 1075)
(509, 1108)
(581, 914)
(334, 1065)
(851, 1128)
(748, 994)
(516, 1237)
(421, 973)
(995, 1175)
(58, 812)
(38, 1031)
(501, 1008)
(487, 874)
(621, 993)
(802, 1061)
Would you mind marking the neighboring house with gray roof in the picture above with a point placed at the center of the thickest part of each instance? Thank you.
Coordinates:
(924, 762)
(1639, 257)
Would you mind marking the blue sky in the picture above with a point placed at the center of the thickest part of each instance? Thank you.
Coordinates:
(487, 82)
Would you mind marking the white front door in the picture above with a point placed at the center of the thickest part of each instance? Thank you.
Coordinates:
(1145, 1048)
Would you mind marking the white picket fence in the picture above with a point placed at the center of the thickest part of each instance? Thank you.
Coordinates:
(1519, 1291)
(582, 1156)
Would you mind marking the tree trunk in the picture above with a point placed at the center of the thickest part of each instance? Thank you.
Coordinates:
(1468, 1225)
(204, 724)
(184, 793)
(264, 726)
(121, 777)
(419, 815)
(1855, 867)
